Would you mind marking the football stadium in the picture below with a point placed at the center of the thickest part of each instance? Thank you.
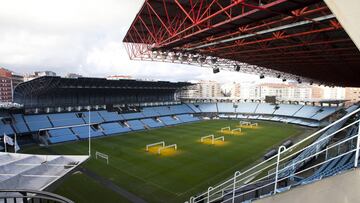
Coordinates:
(91, 139)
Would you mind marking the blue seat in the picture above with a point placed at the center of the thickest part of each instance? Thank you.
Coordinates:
(19, 124)
(152, 123)
(113, 128)
(149, 112)
(136, 125)
(128, 116)
(83, 132)
(65, 119)
(110, 116)
(169, 120)
(94, 117)
(6, 128)
(36, 122)
(64, 138)
(187, 118)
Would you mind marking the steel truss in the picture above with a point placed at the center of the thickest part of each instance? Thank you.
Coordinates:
(265, 36)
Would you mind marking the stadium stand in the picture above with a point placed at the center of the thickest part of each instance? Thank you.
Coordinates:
(180, 109)
(19, 124)
(194, 108)
(322, 143)
(152, 123)
(128, 116)
(287, 109)
(163, 110)
(226, 107)
(65, 119)
(110, 116)
(83, 132)
(307, 111)
(6, 128)
(94, 117)
(207, 107)
(170, 115)
(150, 112)
(168, 120)
(135, 125)
(323, 113)
(249, 108)
(61, 135)
(37, 122)
(265, 108)
(113, 128)
(187, 118)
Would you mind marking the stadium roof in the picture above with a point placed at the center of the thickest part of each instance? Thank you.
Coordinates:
(301, 38)
(46, 84)
(52, 91)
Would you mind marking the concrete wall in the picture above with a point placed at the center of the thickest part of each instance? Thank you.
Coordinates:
(348, 14)
(343, 188)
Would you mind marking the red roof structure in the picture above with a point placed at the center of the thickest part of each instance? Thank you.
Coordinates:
(292, 39)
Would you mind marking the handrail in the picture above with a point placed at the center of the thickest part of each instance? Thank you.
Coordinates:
(248, 173)
(22, 193)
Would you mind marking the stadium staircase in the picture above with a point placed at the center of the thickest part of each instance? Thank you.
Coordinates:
(312, 159)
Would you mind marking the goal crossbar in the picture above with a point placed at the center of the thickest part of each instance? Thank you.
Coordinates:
(162, 143)
(218, 138)
(166, 147)
(225, 128)
(245, 123)
(236, 129)
(102, 155)
(206, 137)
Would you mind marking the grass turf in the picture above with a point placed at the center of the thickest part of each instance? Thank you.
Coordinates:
(89, 191)
(193, 168)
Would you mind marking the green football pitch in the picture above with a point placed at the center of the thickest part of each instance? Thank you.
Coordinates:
(157, 178)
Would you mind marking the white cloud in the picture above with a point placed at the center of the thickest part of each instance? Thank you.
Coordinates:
(82, 36)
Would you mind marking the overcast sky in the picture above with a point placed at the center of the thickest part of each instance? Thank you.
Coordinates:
(85, 37)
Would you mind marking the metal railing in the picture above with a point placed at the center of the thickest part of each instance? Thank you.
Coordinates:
(31, 196)
(267, 177)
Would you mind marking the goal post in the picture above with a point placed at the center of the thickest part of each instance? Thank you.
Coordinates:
(207, 137)
(245, 123)
(167, 147)
(162, 143)
(236, 130)
(103, 156)
(222, 138)
(225, 128)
